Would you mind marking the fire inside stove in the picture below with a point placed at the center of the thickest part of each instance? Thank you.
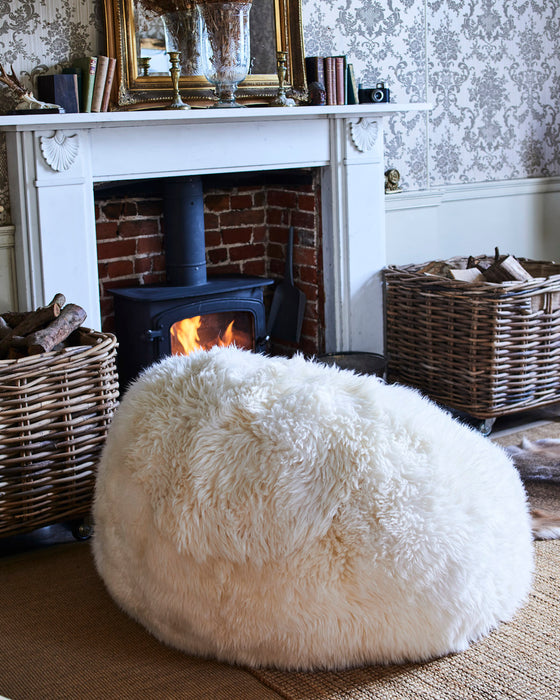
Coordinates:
(204, 332)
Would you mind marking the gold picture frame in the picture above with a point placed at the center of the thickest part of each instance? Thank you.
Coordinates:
(133, 90)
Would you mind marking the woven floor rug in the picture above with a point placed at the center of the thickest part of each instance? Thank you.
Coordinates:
(62, 638)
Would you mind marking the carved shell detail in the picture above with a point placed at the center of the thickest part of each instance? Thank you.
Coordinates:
(364, 134)
(59, 150)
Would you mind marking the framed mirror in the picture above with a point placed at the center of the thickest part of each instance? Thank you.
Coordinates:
(140, 32)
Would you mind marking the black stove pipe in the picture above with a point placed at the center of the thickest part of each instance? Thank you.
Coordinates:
(185, 246)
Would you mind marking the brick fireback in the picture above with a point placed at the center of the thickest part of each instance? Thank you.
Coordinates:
(246, 223)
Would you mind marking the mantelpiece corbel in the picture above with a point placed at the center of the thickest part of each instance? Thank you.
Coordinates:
(54, 161)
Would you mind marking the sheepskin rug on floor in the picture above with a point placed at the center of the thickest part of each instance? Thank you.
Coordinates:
(280, 512)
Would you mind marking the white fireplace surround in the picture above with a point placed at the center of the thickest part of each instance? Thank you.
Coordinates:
(54, 161)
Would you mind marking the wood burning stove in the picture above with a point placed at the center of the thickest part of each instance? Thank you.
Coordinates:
(190, 311)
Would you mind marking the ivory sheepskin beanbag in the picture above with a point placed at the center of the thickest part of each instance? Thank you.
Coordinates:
(280, 512)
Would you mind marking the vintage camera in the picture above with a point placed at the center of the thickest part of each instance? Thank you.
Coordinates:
(377, 94)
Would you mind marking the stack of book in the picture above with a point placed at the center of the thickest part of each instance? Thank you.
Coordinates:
(85, 86)
(337, 77)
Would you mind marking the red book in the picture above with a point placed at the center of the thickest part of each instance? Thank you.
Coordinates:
(108, 84)
(340, 70)
(330, 80)
(99, 83)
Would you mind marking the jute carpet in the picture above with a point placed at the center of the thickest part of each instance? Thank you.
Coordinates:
(62, 637)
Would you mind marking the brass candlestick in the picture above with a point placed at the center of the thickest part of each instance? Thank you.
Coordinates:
(282, 100)
(144, 63)
(175, 74)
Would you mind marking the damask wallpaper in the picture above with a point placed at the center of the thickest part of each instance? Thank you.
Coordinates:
(491, 69)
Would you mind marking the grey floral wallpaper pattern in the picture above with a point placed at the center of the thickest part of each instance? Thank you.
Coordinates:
(490, 68)
(40, 36)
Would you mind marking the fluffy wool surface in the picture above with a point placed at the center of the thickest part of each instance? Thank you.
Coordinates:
(280, 512)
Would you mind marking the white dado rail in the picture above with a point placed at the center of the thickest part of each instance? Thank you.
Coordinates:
(54, 160)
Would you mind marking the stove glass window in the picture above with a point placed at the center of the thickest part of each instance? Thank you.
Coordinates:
(203, 332)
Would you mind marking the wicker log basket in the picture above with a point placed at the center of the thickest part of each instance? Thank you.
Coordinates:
(484, 349)
(55, 411)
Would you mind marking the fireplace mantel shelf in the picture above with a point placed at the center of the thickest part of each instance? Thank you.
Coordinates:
(154, 117)
(55, 160)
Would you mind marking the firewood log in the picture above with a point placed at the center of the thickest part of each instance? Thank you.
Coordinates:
(14, 318)
(506, 269)
(29, 323)
(71, 317)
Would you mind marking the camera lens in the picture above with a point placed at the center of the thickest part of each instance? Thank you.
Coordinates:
(377, 96)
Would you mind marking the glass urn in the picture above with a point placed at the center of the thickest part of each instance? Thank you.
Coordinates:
(181, 35)
(224, 46)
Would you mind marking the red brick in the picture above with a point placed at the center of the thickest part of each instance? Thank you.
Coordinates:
(106, 306)
(111, 210)
(158, 263)
(213, 239)
(246, 252)
(102, 269)
(231, 236)
(227, 269)
(128, 208)
(276, 251)
(277, 217)
(282, 198)
(306, 202)
(259, 198)
(106, 229)
(245, 216)
(305, 256)
(277, 234)
(217, 202)
(153, 278)
(139, 227)
(217, 255)
(143, 264)
(254, 267)
(309, 328)
(307, 239)
(313, 188)
(130, 281)
(276, 268)
(121, 248)
(150, 208)
(310, 291)
(303, 219)
(308, 274)
(149, 244)
(311, 311)
(308, 346)
(211, 221)
(241, 201)
(260, 234)
(120, 268)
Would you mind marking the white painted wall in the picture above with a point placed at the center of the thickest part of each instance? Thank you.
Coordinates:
(521, 217)
(8, 294)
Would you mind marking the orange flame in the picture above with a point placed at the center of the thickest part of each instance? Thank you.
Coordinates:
(228, 337)
(185, 337)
